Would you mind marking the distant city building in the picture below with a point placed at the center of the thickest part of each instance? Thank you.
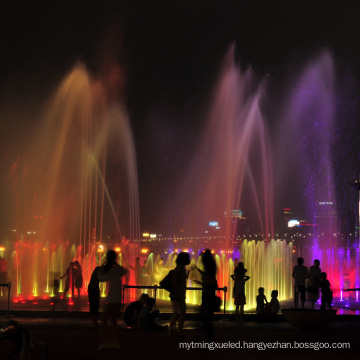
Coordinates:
(287, 216)
(238, 225)
(326, 217)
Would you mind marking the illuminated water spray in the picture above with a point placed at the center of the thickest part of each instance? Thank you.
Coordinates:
(60, 186)
(233, 169)
(314, 130)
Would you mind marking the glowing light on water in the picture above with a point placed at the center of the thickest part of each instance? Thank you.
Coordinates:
(65, 194)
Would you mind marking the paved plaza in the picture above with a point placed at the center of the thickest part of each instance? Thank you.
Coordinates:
(67, 334)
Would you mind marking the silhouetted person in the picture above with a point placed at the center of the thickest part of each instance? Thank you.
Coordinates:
(69, 283)
(240, 279)
(94, 296)
(145, 274)
(132, 311)
(157, 274)
(78, 277)
(260, 301)
(326, 293)
(177, 294)
(111, 272)
(300, 273)
(273, 307)
(313, 283)
(146, 320)
(209, 285)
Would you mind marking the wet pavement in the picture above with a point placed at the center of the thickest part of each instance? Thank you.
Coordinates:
(67, 334)
(74, 338)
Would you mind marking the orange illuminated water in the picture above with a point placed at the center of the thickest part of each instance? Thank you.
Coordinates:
(60, 190)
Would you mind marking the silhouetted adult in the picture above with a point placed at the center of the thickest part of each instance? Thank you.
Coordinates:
(300, 273)
(94, 296)
(177, 294)
(209, 284)
(111, 272)
(157, 274)
(69, 283)
(313, 283)
(77, 277)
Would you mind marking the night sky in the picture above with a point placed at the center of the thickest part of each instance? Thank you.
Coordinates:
(171, 54)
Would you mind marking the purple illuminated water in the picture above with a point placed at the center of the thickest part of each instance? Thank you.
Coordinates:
(315, 134)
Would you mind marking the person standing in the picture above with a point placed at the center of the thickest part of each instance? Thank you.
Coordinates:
(77, 277)
(177, 293)
(111, 272)
(240, 279)
(300, 273)
(313, 281)
(209, 284)
(94, 296)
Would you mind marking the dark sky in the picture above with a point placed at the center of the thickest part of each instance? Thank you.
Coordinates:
(171, 53)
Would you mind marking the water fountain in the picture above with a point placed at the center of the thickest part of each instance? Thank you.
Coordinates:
(231, 168)
(318, 122)
(60, 196)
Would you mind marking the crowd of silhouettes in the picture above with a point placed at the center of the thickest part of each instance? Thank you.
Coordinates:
(140, 315)
(311, 281)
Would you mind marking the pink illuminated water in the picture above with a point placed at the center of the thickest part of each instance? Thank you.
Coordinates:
(232, 166)
(62, 192)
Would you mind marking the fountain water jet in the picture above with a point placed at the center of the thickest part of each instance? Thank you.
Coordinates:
(316, 142)
(60, 194)
(232, 169)
(233, 158)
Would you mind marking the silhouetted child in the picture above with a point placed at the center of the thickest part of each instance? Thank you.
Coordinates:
(239, 278)
(273, 307)
(261, 301)
(146, 318)
(55, 298)
(326, 293)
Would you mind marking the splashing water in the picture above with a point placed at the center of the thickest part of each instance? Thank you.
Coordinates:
(60, 188)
